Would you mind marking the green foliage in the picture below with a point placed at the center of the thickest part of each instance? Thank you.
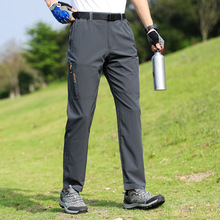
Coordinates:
(4, 93)
(178, 22)
(46, 54)
(43, 51)
(62, 41)
(181, 137)
(4, 88)
(25, 81)
(181, 15)
(143, 47)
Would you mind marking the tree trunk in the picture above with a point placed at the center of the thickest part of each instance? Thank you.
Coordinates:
(208, 15)
(12, 93)
(204, 35)
(17, 91)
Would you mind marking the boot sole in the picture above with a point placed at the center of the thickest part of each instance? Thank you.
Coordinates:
(159, 200)
(81, 210)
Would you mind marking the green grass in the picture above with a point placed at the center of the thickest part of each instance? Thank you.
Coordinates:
(181, 137)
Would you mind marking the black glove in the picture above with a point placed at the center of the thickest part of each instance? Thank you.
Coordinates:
(154, 38)
(62, 12)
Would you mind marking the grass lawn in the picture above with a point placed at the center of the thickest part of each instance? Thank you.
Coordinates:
(181, 137)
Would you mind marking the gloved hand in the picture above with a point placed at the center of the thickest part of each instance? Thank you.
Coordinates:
(154, 38)
(62, 12)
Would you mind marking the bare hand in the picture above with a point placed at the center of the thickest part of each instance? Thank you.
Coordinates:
(158, 47)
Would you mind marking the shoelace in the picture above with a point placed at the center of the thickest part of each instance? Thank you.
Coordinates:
(74, 197)
(142, 193)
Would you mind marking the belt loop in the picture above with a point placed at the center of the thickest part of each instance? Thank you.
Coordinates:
(121, 17)
(90, 15)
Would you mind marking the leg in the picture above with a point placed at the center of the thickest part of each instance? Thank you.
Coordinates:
(121, 70)
(80, 114)
(86, 52)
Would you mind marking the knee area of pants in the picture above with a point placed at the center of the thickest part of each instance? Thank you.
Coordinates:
(82, 118)
(132, 109)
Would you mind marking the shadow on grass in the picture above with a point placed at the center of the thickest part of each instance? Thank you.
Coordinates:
(102, 203)
(29, 201)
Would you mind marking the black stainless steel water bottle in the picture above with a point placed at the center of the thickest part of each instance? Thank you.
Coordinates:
(159, 74)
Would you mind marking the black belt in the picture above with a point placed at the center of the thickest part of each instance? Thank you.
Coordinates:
(98, 16)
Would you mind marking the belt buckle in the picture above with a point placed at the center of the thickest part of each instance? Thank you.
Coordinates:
(112, 17)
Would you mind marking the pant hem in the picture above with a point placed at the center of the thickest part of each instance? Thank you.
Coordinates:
(76, 187)
(133, 186)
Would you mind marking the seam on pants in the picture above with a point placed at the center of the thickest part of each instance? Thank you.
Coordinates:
(119, 130)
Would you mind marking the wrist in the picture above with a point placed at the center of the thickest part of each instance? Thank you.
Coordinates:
(50, 2)
(54, 5)
(151, 27)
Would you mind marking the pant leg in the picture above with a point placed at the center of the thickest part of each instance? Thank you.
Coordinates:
(122, 71)
(86, 51)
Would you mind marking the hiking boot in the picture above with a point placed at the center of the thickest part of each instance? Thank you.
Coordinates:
(140, 198)
(72, 202)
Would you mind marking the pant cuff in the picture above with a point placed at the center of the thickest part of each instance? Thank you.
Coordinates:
(133, 186)
(76, 187)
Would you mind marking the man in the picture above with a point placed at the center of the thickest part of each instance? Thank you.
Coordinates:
(101, 40)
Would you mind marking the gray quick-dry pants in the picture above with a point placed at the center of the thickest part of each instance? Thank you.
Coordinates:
(97, 46)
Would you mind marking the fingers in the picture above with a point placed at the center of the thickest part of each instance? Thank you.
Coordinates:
(73, 10)
(153, 48)
(156, 47)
